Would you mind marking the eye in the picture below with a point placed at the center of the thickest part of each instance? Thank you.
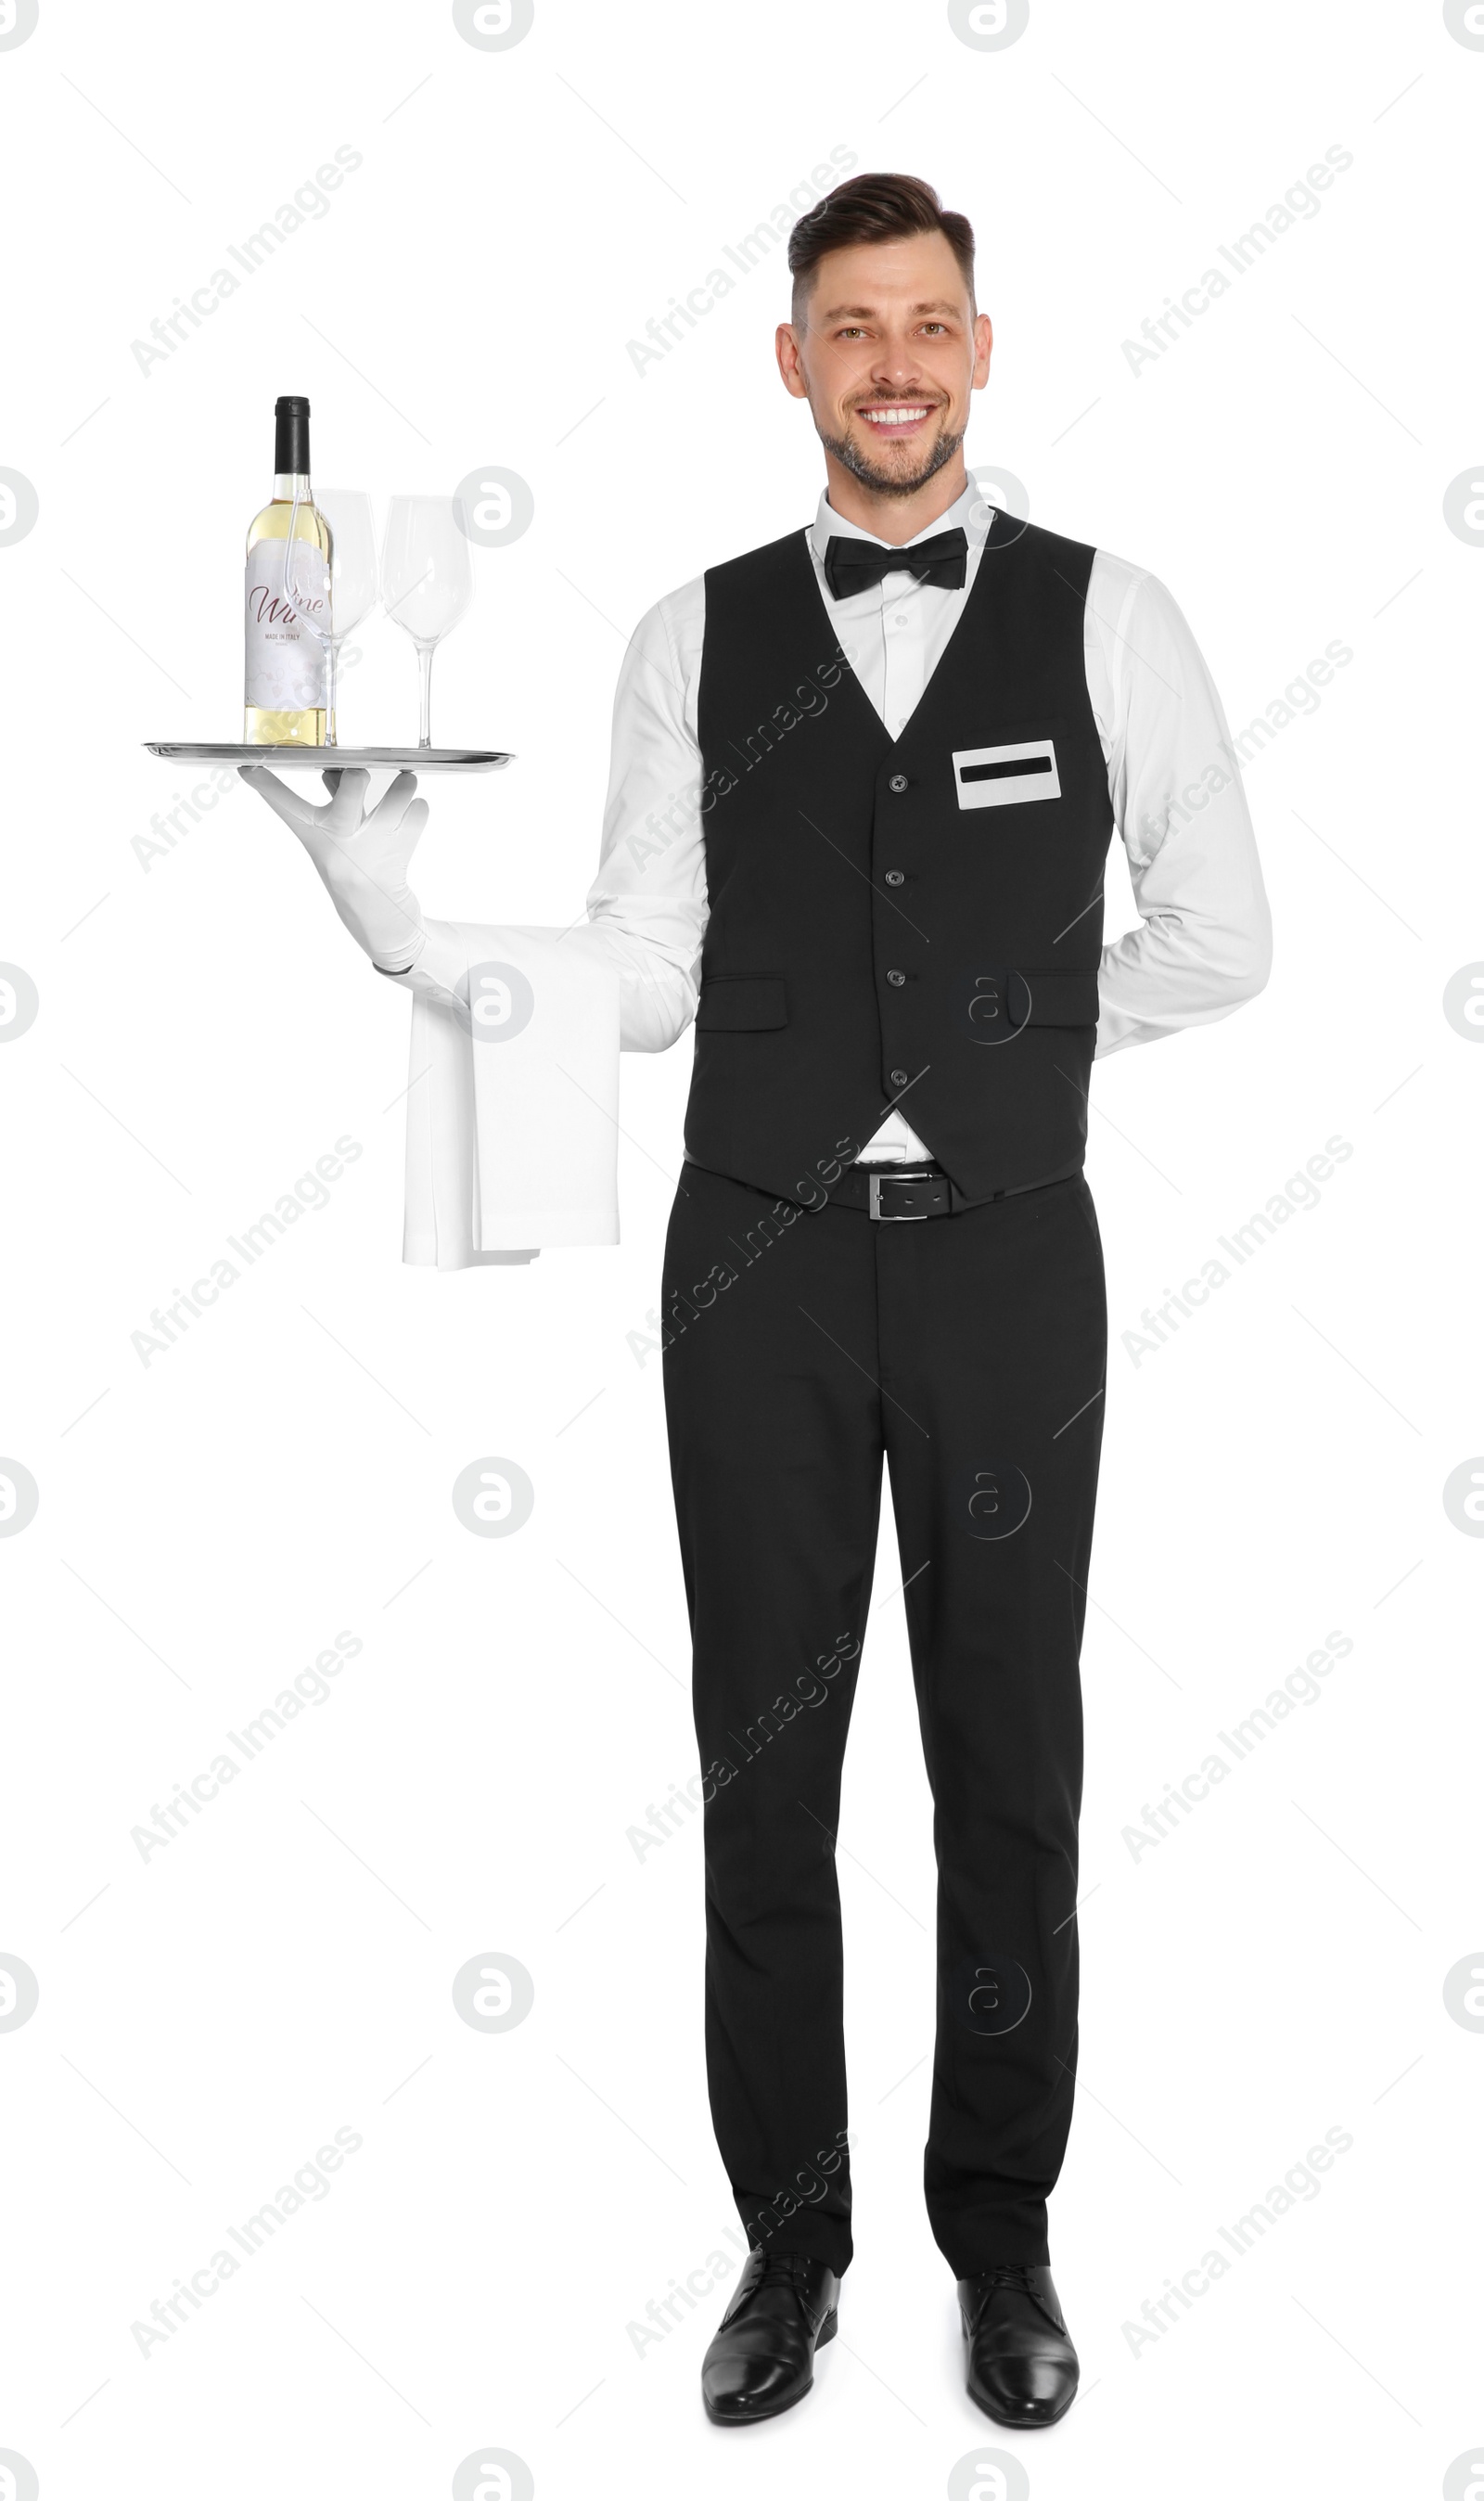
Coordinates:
(941, 327)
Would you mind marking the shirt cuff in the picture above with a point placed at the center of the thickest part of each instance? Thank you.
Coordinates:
(438, 965)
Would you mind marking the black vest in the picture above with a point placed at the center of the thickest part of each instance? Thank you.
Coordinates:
(914, 921)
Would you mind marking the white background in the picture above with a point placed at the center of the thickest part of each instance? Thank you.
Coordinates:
(209, 1521)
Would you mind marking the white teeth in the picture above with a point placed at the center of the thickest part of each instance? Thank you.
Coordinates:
(893, 415)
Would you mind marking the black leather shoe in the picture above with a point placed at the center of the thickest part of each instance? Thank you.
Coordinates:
(761, 2359)
(1022, 2363)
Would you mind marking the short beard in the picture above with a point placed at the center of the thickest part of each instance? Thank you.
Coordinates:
(890, 482)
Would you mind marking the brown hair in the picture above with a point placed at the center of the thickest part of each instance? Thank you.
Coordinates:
(874, 208)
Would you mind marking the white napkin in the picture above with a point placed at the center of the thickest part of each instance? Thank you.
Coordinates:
(513, 1094)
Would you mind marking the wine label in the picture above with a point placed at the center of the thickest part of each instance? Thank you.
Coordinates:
(285, 657)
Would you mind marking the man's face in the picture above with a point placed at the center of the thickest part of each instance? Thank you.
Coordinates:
(886, 352)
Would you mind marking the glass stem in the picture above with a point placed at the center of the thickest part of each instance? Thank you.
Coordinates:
(425, 666)
(332, 655)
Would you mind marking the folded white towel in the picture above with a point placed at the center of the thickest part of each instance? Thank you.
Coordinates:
(513, 1094)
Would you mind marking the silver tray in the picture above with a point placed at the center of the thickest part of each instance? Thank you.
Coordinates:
(329, 759)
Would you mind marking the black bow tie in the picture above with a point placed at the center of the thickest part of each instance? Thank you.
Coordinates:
(854, 564)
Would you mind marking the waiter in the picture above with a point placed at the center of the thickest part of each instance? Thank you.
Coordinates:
(868, 774)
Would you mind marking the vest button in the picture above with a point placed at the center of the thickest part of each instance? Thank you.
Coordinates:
(898, 781)
(894, 877)
(896, 980)
(899, 1077)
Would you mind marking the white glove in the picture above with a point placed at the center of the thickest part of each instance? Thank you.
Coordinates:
(362, 859)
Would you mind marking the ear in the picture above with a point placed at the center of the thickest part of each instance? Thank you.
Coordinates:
(983, 343)
(788, 343)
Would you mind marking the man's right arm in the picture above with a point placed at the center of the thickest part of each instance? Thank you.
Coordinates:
(647, 907)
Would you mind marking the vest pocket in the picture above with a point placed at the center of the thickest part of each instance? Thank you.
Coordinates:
(742, 1003)
(1018, 768)
(1060, 997)
(1000, 1003)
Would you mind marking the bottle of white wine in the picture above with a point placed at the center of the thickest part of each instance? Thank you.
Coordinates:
(287, 606)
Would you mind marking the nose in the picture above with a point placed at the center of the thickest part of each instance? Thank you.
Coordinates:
(895, 370)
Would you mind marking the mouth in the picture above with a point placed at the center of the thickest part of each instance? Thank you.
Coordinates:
(897, 421)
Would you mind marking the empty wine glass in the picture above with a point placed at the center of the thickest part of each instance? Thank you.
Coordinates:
(427, 581)
(354, 580)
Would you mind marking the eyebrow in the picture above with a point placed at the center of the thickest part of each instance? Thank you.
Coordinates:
(869, 311)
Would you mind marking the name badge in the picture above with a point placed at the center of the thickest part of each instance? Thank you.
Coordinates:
(1005, 777)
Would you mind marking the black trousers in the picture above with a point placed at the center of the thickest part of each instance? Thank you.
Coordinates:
(970, 1350)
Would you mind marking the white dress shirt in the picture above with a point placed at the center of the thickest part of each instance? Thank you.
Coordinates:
(1203, 942)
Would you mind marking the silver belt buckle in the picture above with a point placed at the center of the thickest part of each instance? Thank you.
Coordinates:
(892, 1173)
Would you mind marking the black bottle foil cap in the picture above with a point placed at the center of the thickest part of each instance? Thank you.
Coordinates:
(291, 438)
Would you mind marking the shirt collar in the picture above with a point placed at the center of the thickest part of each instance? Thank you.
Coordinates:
(828, 524)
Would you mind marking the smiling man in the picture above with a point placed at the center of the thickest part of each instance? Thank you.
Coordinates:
(903, 984)
(869, 775)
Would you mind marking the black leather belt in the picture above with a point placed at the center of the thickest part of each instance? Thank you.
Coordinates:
(894, 1193)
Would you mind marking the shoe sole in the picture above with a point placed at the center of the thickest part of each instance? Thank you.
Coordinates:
(768, 2413)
